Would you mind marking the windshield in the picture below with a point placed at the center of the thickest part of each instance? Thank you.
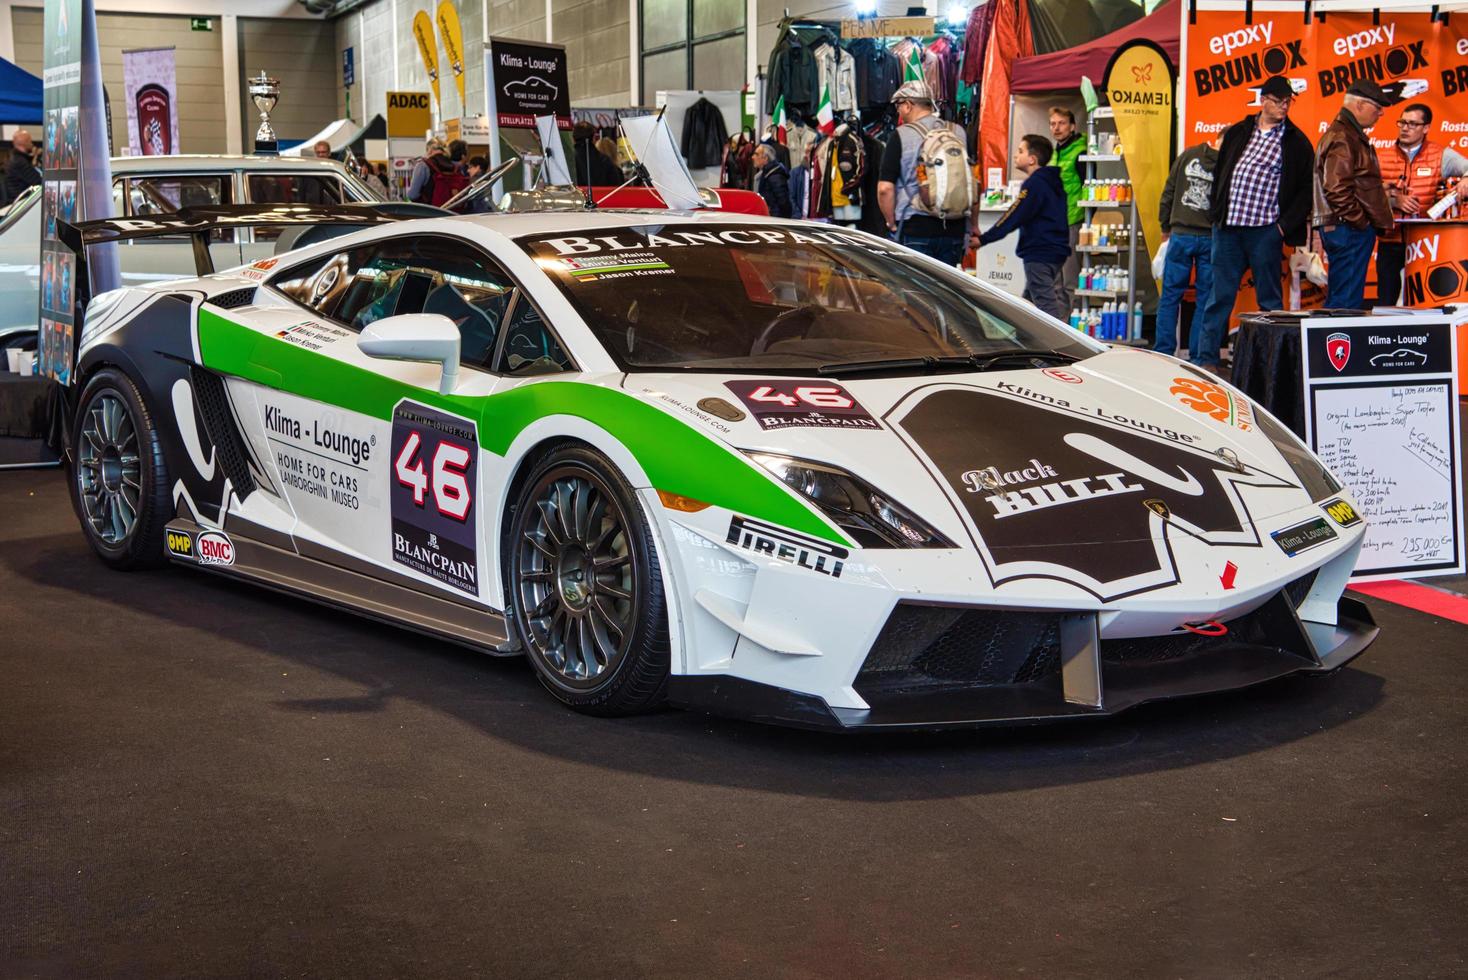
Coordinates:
(782, 298)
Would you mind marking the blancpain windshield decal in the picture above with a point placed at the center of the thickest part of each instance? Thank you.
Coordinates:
(658, 237)
(787, 546)
(1052, 494)
(782, 403)
(433, 482)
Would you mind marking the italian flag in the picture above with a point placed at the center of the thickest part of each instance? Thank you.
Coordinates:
(780, 120)
(825, 118)
(913, 70)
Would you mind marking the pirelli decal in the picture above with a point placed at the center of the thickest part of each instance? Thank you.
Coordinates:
(788, 546)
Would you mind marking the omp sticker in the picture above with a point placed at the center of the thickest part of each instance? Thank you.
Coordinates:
(215, 548)
(434, 521)
(780, 403)
(1341, 512)
(180, 544)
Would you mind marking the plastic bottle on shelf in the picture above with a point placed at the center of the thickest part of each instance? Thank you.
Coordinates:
(1137, 321)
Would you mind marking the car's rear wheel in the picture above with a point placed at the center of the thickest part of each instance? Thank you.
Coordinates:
(119, 478)
(585, 588)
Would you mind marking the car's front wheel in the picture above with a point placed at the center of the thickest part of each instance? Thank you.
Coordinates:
(119, 478)
(585, 588)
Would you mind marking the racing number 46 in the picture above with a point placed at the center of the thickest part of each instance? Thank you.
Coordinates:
(450, 487)
(820, 397)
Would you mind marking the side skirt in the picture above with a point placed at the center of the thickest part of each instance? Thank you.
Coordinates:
(320, 581)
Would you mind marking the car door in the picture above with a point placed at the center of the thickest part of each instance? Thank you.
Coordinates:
(172, 257)
(380, 472)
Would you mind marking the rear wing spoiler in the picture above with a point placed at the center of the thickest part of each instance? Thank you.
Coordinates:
(198, 222)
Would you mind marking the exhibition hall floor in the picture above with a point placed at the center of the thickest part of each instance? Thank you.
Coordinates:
(199, 778)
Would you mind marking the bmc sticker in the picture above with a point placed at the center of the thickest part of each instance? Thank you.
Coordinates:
(1341, 512)
(215, 548)
(434, 524)
(781, 403)
(180, 544)
(1303, 537)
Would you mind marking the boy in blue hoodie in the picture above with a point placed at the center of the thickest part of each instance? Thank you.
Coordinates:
(1040, 215)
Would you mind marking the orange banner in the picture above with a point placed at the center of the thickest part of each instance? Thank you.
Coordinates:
(1227, 57)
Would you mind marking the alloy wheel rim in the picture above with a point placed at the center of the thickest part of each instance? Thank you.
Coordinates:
(576, 577)
(109, 469)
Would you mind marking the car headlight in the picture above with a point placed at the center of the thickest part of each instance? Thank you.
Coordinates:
(1311, 472)
(872, 518)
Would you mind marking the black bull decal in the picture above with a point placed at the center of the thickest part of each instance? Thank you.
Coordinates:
(1051, 494)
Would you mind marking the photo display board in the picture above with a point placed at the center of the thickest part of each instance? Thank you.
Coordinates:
(1381, 411)
(62, 184)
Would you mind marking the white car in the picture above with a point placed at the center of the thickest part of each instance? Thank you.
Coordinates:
(767, 468)
(148, 186)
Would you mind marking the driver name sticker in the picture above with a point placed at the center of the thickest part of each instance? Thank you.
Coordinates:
(584, 268)
(783, 403)
(432, 486)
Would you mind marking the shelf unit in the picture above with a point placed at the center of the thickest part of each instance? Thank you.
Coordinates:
(1091, 208)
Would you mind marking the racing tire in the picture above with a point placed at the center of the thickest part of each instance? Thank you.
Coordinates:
(118, 474)
(585, 588)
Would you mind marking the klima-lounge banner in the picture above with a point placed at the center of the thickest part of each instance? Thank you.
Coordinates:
(150, 80)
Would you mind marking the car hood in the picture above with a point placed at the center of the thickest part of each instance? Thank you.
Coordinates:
(1100, 457)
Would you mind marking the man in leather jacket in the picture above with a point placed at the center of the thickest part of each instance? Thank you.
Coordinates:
(1351, 204)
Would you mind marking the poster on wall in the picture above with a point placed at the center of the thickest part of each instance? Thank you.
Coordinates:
(1381, 411)
(150, 80)
(62, 192)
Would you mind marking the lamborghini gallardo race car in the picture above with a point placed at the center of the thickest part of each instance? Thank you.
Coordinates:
(763, 468)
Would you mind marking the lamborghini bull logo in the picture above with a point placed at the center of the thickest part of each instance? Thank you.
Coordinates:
(1052, 494)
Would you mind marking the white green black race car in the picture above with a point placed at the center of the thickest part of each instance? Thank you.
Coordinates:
(778, 470)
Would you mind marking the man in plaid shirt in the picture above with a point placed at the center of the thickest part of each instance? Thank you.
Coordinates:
(1261, 201)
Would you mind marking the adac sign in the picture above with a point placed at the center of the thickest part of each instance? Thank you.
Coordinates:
(409, 113)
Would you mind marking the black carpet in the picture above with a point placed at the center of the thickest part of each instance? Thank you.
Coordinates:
(199, 778)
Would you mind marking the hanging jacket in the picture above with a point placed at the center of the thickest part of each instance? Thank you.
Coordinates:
(773, 184)
(704, 135)
(877, 71)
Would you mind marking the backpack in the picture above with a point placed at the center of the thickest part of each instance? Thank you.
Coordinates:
(945, 184)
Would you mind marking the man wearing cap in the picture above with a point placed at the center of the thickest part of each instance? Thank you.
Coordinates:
(1351, 205)
(1261, 202)
(897, 188)
(1411, 169)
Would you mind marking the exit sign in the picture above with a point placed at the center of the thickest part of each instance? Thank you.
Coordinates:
(201, 24)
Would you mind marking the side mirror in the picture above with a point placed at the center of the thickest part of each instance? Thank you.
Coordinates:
(416, 337)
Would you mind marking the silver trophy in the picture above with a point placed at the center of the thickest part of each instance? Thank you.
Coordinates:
(264, 92)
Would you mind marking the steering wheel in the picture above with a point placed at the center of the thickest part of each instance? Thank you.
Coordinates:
(783, 324)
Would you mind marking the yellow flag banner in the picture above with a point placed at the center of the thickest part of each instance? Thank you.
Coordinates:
(453, 46)
(1140, 83)
(428, 49)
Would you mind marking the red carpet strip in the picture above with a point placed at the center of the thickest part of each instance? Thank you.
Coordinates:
(1423, 598)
